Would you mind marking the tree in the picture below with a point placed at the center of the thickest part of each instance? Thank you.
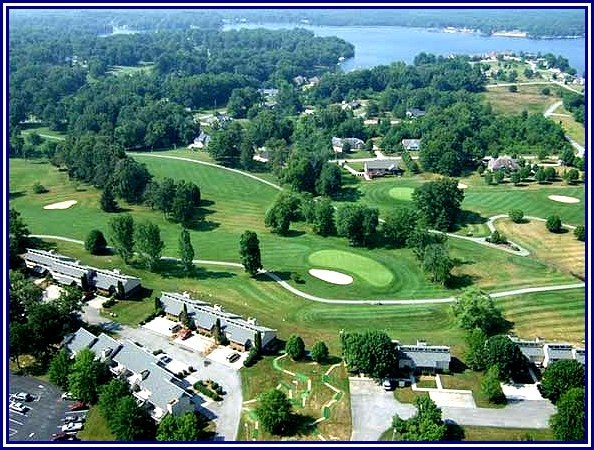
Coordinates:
(488, 178)
(129, 179)
(560, 377)
(498, 176)
(476, 309)
(188, 427)
(109, 395)
(425, 425)
(398, 226)
(295, 347)
(95, 243)
(540, 176)
(437, 263)
(476, 340)
(257, 343)
(249, 252)
(323, 217)
(148, 243)
(491, 388)
(580, 233)
(274, 411)
(439, 199)
(507, 356)
(17, 236)
(59, 369)
(569, 422)
(131, 422)
(319, 352)
(497, 238)
(571, 176)
(86, 376)
(513, 88)
(516, 215)
(186, 251)
(515, 178)
(550, 173)
(371, 352)
(358, 223)
(554, 224)
(329, 181)
(545, 91)
(108, 202)
(19, 336)
(121, 230)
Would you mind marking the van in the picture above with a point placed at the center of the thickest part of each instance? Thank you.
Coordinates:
(175, 327)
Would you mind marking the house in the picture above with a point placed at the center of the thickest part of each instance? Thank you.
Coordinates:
(355, 143)
(422, 357)
(351, 105)
(268, 92)
(241, 333)
(201, 141)
(543, 354)
(154, 387)
(503, 163)
(554, 352)
(413, 113)
(411, 144)
(262, 154)
(532, 350)
(381, 167)
(69, 272)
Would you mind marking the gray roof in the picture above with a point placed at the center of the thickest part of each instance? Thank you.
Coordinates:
(425, 355)
(531, 349)
(79, 340)
(105, 279)
(159, 383)
(558, 351)
(105, 342)
(503, 162)
(579, 354)
(133, 357)
(415, 112)
(355, 142)
(411, 143)
(386, 164)
(55, 263)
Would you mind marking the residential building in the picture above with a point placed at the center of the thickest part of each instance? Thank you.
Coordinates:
(542, 354)
(532, 350)
(153, 386)
(422, 357)
(411, 144)
(413, 113)
(240, 332)
(381, 167)
(70, 272)
(355, 143)
(201, 141)
(503, 163)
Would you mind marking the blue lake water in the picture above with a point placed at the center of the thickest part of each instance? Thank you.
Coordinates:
(383, 45)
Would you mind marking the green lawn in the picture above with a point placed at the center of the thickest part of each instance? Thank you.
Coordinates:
(528, 97)
(472, 433)
(96, 428)
(45, 133)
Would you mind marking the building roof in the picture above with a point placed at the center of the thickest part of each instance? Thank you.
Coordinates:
(106, 344)
(162, 389)
(415, 112)
(558, 351)
(56, 263)
(579, 354)
(503, 162)
(105, 279)
(79, 340)
(133, 357)
(425, 355)
(530, 349)
(385, 164)
(411, 143)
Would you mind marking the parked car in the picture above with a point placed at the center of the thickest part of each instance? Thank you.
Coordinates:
(18, 407)
(67, 396)
(164, 358)
(72, 426)
(185, 334)
(78, 406)
(387, 384)
(68, 419)
(175, 327)
(233, 357)
(22, 397)
(63, 436)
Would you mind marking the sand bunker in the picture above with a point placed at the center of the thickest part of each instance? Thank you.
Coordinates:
(62, 205)
(330, 276)
(462, 186)
(563, 199)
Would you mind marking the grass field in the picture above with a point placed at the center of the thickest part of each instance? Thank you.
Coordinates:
(472, 433)
(528, 97)
(96, 428)
(360, 266)
(574, 129)
(121, 71)
(561, 250)
(45, 133)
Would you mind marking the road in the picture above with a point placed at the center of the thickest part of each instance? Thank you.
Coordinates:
(304, 295)
(372, 410)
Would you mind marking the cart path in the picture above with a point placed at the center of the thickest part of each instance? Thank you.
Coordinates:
(305, 295)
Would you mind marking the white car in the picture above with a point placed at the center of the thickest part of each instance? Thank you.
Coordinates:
(72, 426)
(22, 396)
(67, 396)
(18, 407)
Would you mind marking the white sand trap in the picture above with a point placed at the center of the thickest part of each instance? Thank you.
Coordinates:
(62, 205)
(462, 186)
(331, 276)
(563, 199)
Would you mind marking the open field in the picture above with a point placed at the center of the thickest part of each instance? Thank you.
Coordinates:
(573, 129)
(121, 71)
(528, 97)
(561, 250)
(45, 133)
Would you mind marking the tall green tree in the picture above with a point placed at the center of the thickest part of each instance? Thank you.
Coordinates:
(425, 425)
(274, 412)
(507, 356)
(438, 202)
(437, 263)
(109, 395)
(188, 427)
(476, 309)
(148, 243)
(319, 352)
(121, 231)
(108, 202)
(295, 347)
(329, 181)
(17, 236)
(86, 376)
(249, 252)
(491, 387)
(371, 352)
(560, 377)
(186, 251)
(476, 357)
(580, 233)
(358, 223)
(398, 226)
(131, 422)
(554, 224)
(19, 336)
(95, 242)
(570, 421)
(129, 179)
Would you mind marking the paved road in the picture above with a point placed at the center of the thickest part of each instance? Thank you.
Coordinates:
(305, 295)
(580, 150)
(372, 410)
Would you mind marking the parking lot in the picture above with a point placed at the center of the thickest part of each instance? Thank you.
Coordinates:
(44, 412)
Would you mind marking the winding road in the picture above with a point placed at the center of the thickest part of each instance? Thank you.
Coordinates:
(306, 296)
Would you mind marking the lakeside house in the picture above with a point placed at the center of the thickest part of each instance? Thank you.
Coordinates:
(422, 357)
(70, 272)
(240, 332)
(380, 168)
(154, 387)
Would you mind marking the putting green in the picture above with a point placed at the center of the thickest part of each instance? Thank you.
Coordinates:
(365, 268)
(401, 193)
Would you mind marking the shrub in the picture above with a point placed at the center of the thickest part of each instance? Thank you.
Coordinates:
(497, 238)
(295, 347)
(251, 358)
(554, 224)
(109, 302)
(516, 215)
(580, 233)
(95, 242)
(38, 188)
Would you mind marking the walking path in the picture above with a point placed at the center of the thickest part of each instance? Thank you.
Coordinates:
(551, 109)
(551, 112)
(305, 295)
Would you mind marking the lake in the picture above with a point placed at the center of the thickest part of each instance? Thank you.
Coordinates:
(383, 45)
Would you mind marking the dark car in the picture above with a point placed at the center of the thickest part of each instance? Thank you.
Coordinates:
(185, 334)
(233, 357)
(62, 436)
(78, 406)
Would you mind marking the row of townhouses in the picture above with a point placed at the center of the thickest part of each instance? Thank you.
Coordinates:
(543, 354)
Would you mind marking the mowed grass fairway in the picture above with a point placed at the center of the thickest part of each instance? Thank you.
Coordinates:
(359, 266)
(401, 193)
(561, 250)
(528, 97)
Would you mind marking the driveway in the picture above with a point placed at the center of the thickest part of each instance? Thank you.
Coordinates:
(226, 414)
(372, 409)
(520, 414)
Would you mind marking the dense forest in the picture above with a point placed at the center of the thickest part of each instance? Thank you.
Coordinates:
(538, 22)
